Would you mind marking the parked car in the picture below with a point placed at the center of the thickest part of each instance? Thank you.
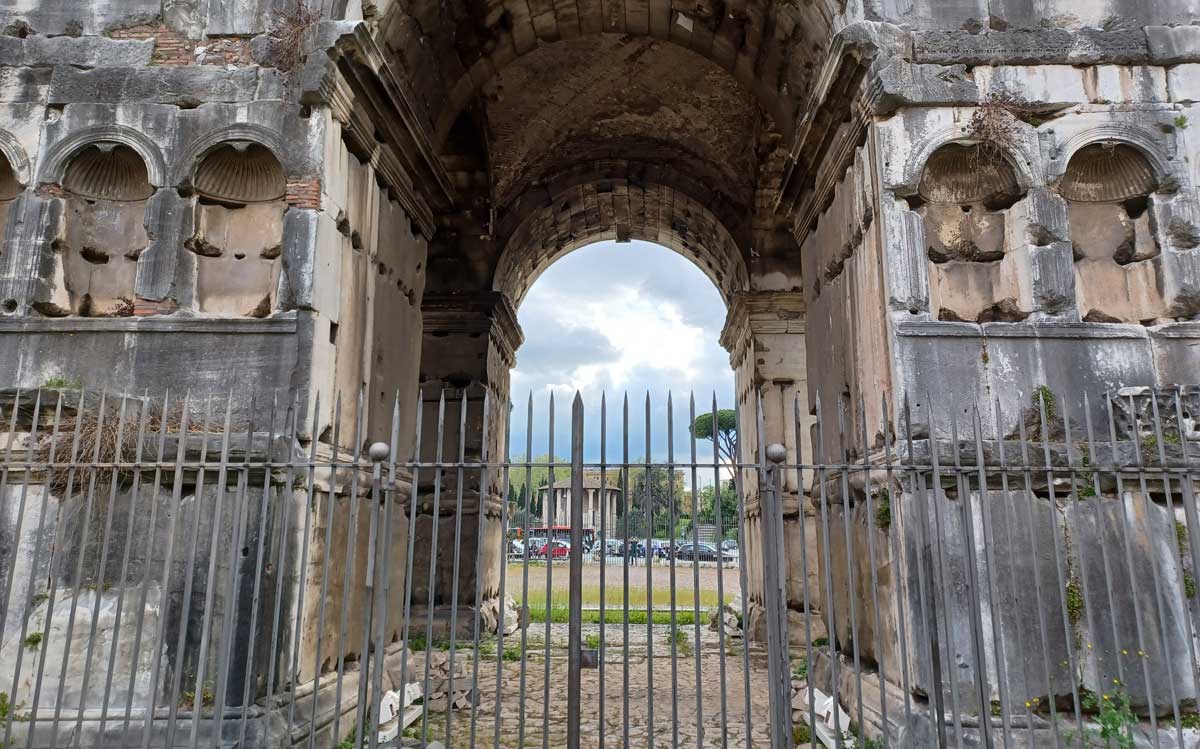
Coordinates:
(516, 548)
(731, 546)
(704, 552)
(554, 550)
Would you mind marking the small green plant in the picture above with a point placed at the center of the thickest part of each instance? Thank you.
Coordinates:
(1189, 719)
(33, 641)
(348, 742)
(38, 599)
(800, 668)
(1074, 599)
(682, 644)
(801, 734)
(1181, 122)
(62, 383)
(1114, 715)
(883, 511)
(512, 653)
(592, 642)
(820, 642)
(1043, 394)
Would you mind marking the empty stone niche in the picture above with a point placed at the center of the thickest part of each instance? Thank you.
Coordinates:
(962, 197)
(103, 229)
(239, 230)
(1117, 272)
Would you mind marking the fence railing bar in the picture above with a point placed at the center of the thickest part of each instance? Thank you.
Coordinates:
(122, 588)
(820, 446)
(484, 490)
(809, 663)
(852, 581)
(996, 615)
(291, 668)
(250, 669)
(175, 670)
(1133, 576)
(719, 507)
(504, 557)
(409, 553)
(1026, 501)
(649, 510)
(864, 445)
(672, 514)
(456, 556)
(8, 589)
(742, 573)
(348, 576)
(529, 425)
(982, 683)
(1085, 584)
(77, 577)
(575, 595)
(206, 621)
(699, 649)
(941, 574)
(899, 553)
(1176, 563)
(550, 549)
(433, 550)
(1188, 499)
(1156, 574)
(370, 698)
(323, 597)
(627, 509)
(604, 532)
(233, 581)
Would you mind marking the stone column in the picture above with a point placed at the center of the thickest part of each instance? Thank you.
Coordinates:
(467, 351)
(764, 334)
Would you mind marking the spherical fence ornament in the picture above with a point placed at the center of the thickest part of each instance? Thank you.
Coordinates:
(776, 453)
(379, 452)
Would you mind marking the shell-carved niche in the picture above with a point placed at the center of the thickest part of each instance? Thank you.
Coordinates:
(241, 190)
(104, 233)
(1107, 188)
(963, 196)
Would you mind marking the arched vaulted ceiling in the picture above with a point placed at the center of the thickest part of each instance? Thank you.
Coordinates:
(450, 49)
(615, 119)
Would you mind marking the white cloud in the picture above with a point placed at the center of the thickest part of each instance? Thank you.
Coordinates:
(612, 318)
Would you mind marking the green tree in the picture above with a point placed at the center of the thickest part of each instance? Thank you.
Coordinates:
(729, 506)
(725, 435)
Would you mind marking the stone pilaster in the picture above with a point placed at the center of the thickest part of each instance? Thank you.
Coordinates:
(468, 349)
(764, 334)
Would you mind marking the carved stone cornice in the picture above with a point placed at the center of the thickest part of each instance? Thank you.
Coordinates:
(837, 114)
(754, 313)
(353, 79)
(488, 313)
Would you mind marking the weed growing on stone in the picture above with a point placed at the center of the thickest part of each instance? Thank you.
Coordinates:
(33, 641)
(995, 123)
(592, 642)
(801, 734)
(1114, 715)
(1181, 122)
(800, 668)
(883, 511)
(62, 383)
(286, 34)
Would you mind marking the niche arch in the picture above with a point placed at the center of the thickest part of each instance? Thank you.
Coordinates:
(106, 185)
(11, 182)
(240, 190)
(962, 193)
(1108, 186)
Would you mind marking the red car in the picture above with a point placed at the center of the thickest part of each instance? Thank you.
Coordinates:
(561, 550)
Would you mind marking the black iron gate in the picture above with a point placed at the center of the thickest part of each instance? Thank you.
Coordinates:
(229, 572)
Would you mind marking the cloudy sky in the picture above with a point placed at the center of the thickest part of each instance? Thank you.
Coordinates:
(613, 318)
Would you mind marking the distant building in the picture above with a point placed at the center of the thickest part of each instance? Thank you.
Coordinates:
(598, 500)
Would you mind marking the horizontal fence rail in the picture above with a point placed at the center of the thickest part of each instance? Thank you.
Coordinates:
(265, 571)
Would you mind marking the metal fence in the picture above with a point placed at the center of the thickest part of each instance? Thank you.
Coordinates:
(242, 572)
